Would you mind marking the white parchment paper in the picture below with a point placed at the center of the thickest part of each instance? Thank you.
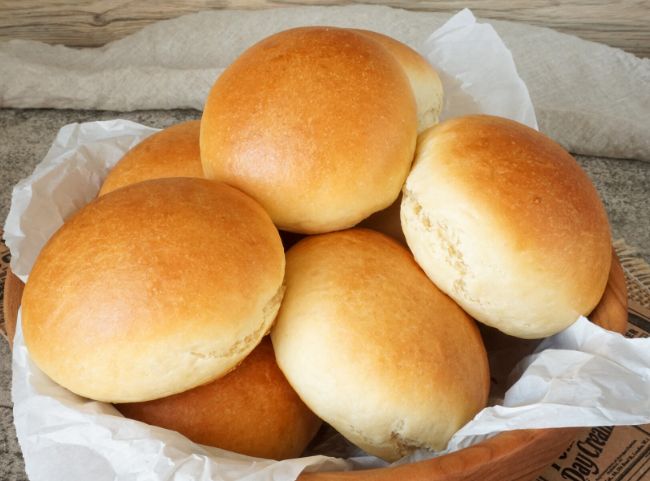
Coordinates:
(582, 376)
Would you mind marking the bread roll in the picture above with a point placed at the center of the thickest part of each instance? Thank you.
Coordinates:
(424, 80)
(252, 410)
(427, 89)
(505, 222)
(153, 289)
(318, 124)
(172, 152)
(374, 348)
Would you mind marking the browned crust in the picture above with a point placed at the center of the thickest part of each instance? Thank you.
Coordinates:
(318, 124)
(252, 410)
(153, 289)
(526, 237)
(172, 152)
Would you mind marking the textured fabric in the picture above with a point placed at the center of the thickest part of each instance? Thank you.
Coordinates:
(593, 99)
(637, 273)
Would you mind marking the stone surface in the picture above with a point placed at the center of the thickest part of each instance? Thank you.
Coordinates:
(11, 459)
(624, 186)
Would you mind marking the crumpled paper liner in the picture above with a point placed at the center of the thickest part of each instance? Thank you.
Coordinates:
(591, 98)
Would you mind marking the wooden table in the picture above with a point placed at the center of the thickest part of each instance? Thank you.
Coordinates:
(91, 23)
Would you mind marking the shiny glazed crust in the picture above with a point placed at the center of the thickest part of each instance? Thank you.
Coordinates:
(424, 80)
(153, 289)
(317, 124)
(172, 152)
(252, 410)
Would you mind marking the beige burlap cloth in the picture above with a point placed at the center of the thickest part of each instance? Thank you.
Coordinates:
(592, 99)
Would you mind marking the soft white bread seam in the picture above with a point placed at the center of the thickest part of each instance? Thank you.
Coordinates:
(528, 255)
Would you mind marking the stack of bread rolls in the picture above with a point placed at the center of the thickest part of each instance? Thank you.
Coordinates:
(158, 295)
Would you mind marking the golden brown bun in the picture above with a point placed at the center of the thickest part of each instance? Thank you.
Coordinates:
(252, 410)
(505, 221)
(424, 80)
(374, 348)
(318, 124)
(172, 152)
(153, 289)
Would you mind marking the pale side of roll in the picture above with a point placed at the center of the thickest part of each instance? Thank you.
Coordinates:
(318, 124)
(251, 410)
(153, 289)
(428, 92)
(172, 152)
(374, 348)
(424, 80)
(506, 222)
